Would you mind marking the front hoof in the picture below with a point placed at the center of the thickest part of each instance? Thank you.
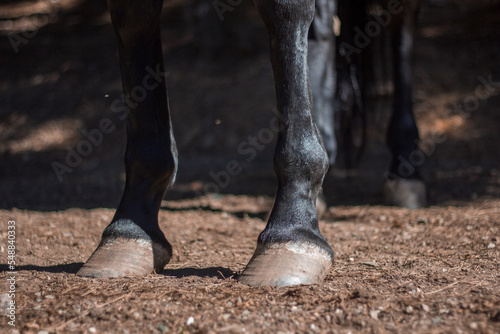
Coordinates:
(116, 257)
(406, 193)
(285, 264)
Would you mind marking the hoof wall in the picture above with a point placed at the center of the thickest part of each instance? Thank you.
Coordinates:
(125, 257)
(405, 193)
(285, 264)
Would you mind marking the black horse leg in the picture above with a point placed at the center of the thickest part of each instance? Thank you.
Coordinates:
(321, 61)
(349, 108)
(404, 186)
(133, 242)
(291, 250)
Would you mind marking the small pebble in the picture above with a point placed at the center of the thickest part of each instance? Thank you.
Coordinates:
(163, 329)
(190, 321)
(390, 326)
(426, 308)
(374, 314)
(4, 301)
(473, 325)
(409, 310)
(92, 330)
(492, 245)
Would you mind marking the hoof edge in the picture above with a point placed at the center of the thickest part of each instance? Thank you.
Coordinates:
(116, 257)
(286, 264)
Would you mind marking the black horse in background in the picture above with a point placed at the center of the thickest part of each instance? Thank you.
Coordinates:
(291, 250)
(356, 52)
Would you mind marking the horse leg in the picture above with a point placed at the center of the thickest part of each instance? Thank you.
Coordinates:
(404, 186)
(291, 249)
(351, 118)
(321, 61)
(133, 242)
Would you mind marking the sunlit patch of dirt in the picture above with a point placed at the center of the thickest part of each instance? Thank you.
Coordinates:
(50, 135)
(30, 16)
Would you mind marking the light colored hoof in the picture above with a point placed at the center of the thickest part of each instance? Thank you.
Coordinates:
(405, 193)
(285, 264)
(116, 257)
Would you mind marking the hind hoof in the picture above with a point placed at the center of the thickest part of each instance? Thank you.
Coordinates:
(285, 264)
(405, 193)
(116, 257)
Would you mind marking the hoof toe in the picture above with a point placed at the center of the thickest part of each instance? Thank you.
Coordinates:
(285, 264)
(405, 193)
(116, 257)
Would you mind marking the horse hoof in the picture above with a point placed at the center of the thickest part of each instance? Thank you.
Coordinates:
(285, 264)
(405, 193)
(116, 257)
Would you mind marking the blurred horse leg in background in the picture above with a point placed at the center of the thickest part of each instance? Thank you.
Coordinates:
(404, 186)
(364, 22)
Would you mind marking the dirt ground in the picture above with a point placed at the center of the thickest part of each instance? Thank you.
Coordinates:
(433, 270)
